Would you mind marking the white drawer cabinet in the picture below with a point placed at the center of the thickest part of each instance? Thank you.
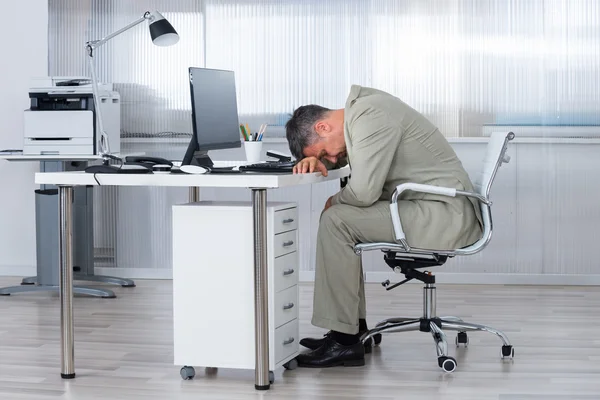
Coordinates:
(213, 284)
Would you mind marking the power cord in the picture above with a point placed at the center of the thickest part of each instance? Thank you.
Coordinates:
(108, 156)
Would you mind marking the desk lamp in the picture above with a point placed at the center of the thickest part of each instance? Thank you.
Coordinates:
(162, 34)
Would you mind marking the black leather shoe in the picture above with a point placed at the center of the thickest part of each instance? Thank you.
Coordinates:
(314, 343)
(333, 354)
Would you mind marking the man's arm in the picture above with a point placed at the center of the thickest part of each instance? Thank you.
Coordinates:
(341, 163)
(375, 138)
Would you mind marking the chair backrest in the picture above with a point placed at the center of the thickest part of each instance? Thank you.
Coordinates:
(495, 156)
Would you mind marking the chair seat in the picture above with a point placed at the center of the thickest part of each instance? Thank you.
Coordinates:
(399, 248)
(394, 261)
(359, 248)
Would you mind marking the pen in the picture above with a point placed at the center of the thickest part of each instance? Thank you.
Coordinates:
(262, 130)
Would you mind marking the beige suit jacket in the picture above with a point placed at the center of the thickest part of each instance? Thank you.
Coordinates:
(389, 143)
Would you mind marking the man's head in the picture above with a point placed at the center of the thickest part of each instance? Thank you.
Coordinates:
(315, 131)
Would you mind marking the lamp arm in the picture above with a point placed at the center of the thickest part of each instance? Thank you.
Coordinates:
(94, 44)
(104, 145)
(90, 47)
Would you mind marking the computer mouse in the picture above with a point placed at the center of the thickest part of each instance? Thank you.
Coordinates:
(193, 169)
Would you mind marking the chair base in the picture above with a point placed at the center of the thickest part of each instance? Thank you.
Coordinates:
(436, 326)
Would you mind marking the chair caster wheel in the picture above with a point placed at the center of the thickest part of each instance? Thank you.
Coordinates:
(187, 373)
(376, 339)
(291, 365)
(448, 364)
(271, 377)
(462, 338)
(507, 352)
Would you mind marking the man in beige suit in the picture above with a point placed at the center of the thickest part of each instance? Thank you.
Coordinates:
(386, 143)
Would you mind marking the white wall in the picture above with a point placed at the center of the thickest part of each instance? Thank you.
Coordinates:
(545, 217)
(22, 55)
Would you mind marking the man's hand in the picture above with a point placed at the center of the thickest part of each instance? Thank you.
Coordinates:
(309, 165)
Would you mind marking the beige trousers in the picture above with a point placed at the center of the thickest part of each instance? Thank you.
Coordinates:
(339, 297)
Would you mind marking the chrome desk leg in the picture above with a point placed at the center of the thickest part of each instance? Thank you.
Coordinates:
(66, 282)
(194, 195)
(261, 323)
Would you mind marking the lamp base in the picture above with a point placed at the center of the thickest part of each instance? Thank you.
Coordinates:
(106, 168)
(103, 169)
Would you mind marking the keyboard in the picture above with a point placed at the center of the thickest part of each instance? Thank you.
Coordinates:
(229, 163)
(269, 167)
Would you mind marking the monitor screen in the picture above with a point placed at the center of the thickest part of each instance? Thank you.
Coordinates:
(214, 109)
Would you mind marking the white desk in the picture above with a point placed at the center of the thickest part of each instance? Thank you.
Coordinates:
(257, 183)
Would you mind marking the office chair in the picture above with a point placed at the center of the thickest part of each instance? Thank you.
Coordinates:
(403, 258)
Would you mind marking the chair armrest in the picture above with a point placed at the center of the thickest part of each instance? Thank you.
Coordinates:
(417, 187)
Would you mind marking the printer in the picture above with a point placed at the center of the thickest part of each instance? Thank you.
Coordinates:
(61, 119)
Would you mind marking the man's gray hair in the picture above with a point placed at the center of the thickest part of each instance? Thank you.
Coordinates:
(300, 131)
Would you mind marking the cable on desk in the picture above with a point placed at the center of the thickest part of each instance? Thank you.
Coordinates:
(120, 160)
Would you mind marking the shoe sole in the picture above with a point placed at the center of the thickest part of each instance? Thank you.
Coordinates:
(349, 363)
(368, 347)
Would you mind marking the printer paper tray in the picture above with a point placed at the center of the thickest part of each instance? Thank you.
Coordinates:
(75, 146)
(58, 132)
(59, 123)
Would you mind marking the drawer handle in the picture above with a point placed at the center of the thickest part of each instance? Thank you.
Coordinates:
(288, 243)
(288, 221)
(288, 272)
(288, 306)
(288, 341)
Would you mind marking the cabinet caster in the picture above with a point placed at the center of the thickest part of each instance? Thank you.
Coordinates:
(187, 373)
(462, 338)
(448, 364)
(291, 365)
(271, 377)
(508, 352)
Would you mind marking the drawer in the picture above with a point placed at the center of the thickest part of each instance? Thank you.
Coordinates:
(285, 243)
(286, 271)
(286, 340)
(285, 220)
(286, 306)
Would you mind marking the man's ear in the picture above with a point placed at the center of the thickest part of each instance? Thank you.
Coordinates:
(322, 127)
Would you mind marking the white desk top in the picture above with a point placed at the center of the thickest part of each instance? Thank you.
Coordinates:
(243, 180)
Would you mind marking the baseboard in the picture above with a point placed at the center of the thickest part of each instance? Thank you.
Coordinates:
(18, 270)
(135, 273)
(495, 279)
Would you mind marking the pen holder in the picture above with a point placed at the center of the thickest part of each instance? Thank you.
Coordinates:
(253, 151)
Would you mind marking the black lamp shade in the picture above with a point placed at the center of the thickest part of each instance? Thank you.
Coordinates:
(162, 32)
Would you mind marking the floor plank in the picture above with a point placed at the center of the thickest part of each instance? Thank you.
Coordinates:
(124, 349)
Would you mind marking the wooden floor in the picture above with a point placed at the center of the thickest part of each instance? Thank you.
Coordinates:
(124, 349)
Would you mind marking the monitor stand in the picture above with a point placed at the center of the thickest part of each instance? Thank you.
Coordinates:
(201, 159)
(195, 156)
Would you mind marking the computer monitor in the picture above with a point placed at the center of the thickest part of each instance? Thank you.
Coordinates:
(215, 121)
